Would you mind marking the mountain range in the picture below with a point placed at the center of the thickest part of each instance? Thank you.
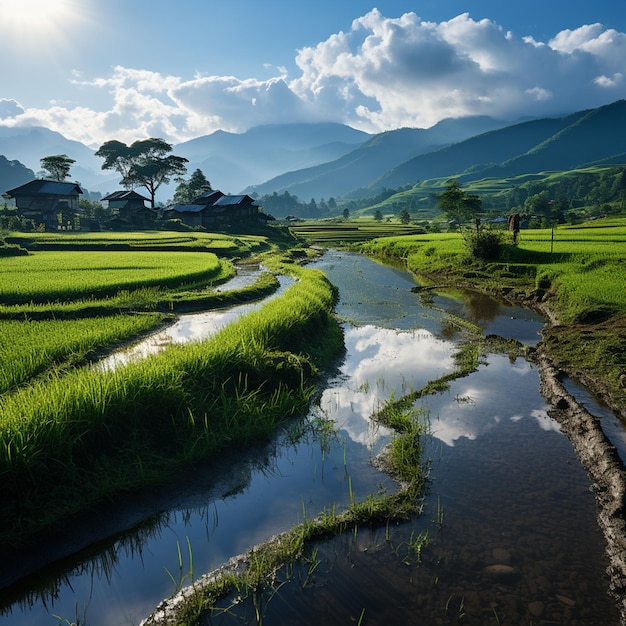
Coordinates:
(587, 137)
(333, 160)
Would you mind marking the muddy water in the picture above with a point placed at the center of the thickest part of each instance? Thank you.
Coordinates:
(509, 515)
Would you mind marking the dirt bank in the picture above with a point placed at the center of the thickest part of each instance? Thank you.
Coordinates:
(601, 460)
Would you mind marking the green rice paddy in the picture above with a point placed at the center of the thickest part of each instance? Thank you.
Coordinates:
(62, 276)
(72, 436)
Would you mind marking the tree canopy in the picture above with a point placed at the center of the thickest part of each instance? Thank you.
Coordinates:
(145, 163)
(57, 165)
(188, 190)
(457, 205)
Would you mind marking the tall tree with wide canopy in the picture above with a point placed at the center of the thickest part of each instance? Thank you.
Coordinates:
(145, 163)
(117, 156)
(57, 165)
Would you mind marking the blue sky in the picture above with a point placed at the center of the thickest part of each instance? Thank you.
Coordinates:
(96, 70)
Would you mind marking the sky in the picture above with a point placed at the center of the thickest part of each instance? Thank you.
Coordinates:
(97, 70)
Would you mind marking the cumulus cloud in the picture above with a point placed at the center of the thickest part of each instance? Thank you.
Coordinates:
(383, 73)
(9, 108)
(409, 72)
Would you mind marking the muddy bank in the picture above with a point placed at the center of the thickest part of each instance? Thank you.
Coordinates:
(601, 460)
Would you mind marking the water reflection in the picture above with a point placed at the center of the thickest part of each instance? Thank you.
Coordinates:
(501, 392)
(506, 503)
(493, 316)
(263, 495)
(382, 362)
(508, 481)
(190, 327)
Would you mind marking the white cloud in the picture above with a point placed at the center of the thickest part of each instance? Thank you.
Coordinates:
(10, 108)
(382, 73)
(407, 72)
(609, 81)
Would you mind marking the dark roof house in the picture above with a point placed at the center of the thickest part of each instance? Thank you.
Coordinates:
(130, 210)
(214, 209)
(208, 197)
(49, 202)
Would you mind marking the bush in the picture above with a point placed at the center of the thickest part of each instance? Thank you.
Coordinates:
(484, 244)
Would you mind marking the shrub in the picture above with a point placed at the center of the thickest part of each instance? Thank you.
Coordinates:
(484, 244)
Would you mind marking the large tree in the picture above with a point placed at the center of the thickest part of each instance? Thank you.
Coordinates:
(145, 163)
(457, 205)
(117, 156)
(188, 190)
(58, 166)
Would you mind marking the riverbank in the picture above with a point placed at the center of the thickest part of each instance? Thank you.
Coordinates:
(584, 339)
(576, 280)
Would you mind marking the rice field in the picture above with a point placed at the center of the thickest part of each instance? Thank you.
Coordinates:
(71, 437)
(143, 240)
(30, 348)
(64, 276)
(338, 233)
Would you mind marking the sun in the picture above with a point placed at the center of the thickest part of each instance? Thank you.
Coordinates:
(27, 20)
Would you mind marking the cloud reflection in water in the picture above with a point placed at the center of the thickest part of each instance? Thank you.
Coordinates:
(476, 404)
(381, 362)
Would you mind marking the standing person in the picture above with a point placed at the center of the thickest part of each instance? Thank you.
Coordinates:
(514, 225)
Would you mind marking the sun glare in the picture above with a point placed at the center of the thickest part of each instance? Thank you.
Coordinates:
(29, 19)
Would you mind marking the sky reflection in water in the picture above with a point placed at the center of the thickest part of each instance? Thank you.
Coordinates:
(381, 362)
(501, 390)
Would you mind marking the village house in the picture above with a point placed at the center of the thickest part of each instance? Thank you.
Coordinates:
(50, 203)
(129, 210)
(213, 209)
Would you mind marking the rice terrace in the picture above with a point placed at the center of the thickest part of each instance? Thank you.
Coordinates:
(79, 442)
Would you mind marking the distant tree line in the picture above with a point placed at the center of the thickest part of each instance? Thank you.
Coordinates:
(565, 197)
(286, 204)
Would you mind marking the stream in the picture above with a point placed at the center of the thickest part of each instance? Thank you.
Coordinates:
(509, 521)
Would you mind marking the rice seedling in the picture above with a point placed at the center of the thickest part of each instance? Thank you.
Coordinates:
(79, 620)
(62, 276)
(95, 433)
(410, 551)
(182, 576)
(29, 348)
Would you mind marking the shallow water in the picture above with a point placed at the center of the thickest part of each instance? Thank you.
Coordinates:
(512, 536)
(194, 326)
(504, 480)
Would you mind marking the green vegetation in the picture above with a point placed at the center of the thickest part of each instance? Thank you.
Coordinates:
(233, 245)
(89, 274)
(71, 436)
(73, 439)
(338, 233)
(578, 194)
(59, 276)
(28, 349)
